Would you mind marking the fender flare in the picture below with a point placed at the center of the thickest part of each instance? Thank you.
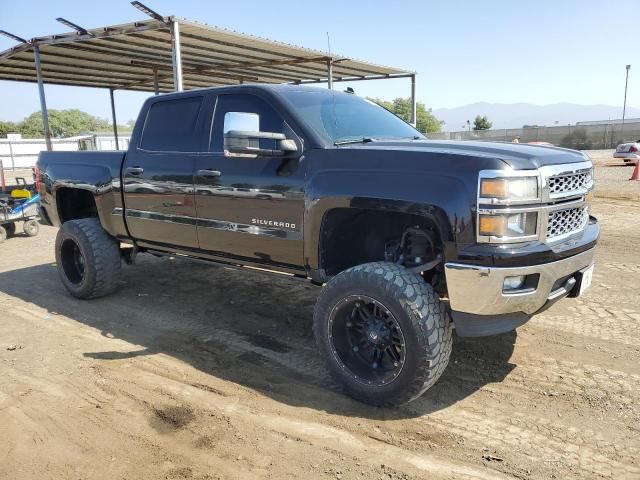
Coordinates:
(95, 179)
(441, 199)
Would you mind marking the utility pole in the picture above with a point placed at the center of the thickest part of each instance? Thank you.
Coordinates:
(624, 105)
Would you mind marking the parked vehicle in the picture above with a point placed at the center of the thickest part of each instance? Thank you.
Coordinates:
(630, 152)
(409, 237)
(19, 204)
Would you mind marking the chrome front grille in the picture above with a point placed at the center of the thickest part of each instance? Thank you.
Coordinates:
(562, 223)
(570, 183)
(562, 207)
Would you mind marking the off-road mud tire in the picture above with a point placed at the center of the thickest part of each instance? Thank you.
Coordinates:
(423, 318)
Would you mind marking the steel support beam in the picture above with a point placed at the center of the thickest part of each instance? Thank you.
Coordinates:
(98, 33)
(43, 100)
(177, 56)
(355, 79)
(203, 71)
(113, 118)
(414, 120)
(330, 73)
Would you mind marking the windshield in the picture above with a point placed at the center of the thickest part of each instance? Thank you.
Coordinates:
(341, 117)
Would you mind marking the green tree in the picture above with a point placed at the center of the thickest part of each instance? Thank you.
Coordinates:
(8, 127)
(426, 121)
(482, 123)
(63, 123)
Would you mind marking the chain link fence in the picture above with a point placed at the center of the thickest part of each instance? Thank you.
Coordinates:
(580, 137)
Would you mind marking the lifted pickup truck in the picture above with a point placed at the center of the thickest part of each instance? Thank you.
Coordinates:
(409, 237)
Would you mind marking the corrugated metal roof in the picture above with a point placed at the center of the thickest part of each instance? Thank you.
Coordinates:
(125, 57)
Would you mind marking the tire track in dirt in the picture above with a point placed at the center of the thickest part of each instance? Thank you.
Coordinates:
(545, 373)
(304, 428)
(302, 358)
(537, 439)
(594, 319)
(573, 377)
(632, 268)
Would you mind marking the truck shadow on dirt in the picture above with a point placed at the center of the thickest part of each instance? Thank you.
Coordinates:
(250, 329)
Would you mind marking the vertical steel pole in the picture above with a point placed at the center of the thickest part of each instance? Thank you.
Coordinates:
(113, 117)
(156, 87)
(43, 101)
(177, 56)
(13, 162)
(330, 73)
(2, 182)
(414, 120)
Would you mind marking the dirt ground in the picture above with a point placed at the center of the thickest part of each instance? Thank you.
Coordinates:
(193, 371)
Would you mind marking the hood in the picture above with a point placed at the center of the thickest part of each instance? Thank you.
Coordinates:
(518, 156)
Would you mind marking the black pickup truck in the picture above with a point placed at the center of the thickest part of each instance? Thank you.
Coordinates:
(410, 237)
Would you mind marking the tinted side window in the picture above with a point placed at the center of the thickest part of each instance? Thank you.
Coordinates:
(171, 126)
(243, 112)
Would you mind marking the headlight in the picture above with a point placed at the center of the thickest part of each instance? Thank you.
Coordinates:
(510, 189)
(506, 226)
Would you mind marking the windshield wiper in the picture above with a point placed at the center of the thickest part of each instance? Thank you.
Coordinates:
(354, 140)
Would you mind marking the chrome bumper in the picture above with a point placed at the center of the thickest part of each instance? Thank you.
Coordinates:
(478, 290)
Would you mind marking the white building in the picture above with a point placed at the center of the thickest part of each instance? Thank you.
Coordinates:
(18, 152)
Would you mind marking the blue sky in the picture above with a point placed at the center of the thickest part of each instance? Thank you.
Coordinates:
(540, 52)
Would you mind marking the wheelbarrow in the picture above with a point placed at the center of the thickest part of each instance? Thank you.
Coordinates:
(19, 204)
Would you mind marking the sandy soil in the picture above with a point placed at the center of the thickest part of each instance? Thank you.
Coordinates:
(193, 371)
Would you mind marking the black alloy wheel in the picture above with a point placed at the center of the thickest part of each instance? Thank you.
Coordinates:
(367, 340)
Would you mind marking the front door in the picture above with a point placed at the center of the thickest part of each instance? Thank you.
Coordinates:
(158, 172)
(250, 207)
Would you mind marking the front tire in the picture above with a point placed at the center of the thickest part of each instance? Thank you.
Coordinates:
(3, 234)
(88, 259)
(31, 228)
(384, 332)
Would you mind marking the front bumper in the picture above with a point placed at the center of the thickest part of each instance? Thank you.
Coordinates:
(478, 290)
(626, 155)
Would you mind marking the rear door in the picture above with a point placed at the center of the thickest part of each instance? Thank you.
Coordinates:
(250, 207)
(158, 172)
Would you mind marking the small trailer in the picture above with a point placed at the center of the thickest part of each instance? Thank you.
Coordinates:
(19, 204)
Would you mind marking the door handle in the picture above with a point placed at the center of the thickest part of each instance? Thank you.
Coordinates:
(209, 173)
(135, 170)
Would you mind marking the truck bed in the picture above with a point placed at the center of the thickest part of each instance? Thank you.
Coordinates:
(109, 159)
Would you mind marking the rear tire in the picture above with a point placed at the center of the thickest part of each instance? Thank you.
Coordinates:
(10, 228)
(3, 234)
(88, 259)
(384, 308)
(30, 228)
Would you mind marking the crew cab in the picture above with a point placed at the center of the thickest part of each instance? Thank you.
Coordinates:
(409, 238)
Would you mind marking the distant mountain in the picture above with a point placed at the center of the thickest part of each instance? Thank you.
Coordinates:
(515, 115)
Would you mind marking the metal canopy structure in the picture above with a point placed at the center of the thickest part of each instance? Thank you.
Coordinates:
(164, 54)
